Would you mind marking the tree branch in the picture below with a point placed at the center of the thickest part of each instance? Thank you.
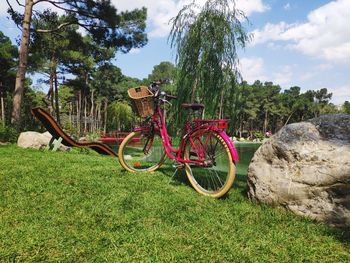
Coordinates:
(57, 4)
(55, 29)
(18, 3)
(10, 6)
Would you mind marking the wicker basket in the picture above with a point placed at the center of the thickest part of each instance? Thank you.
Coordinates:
(142, 101)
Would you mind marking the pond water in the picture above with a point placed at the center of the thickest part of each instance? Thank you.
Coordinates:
(245, 152)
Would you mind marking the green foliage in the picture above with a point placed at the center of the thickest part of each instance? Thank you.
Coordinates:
(71, 129)
(66, 96)
(258, 135)
(106, 81)
(165, 70)
(121, 116)
(106, 26)
(206, 48)
(92, 136)
(8, 60)
(263, 107)
(8, 55)
(107, 31)
(74, 207)
(346, 107)
(7, 133)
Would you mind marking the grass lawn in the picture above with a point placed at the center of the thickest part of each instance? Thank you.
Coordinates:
(83, 207)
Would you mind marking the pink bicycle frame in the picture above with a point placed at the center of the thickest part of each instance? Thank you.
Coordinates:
(159, 127)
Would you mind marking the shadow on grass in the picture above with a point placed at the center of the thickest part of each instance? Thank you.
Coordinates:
(179, 177)
(342, 234)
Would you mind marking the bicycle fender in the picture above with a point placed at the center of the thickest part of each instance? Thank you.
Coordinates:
(228, 141)
(231, 146)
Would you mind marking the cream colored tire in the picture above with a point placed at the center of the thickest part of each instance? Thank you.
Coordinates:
(211, 181)
(130, 154)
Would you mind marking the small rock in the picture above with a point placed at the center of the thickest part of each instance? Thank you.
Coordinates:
(36, 140)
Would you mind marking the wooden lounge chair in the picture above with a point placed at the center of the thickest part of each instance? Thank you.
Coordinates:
(56, 131)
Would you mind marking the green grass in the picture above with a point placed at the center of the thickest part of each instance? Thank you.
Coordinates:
(73, 207)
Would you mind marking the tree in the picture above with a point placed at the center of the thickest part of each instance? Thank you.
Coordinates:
(8, 54)
(206, 45)
(100, 18)
(49, 49)
(120, 116)
(164, 70)
(321, 99)
(346, 107)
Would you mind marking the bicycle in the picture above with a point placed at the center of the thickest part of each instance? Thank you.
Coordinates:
(205, 151)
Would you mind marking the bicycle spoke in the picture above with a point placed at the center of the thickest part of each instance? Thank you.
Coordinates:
(221, 183)
(216, 176)
(142, 152)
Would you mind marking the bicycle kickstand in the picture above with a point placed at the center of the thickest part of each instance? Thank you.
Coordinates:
(177, 166)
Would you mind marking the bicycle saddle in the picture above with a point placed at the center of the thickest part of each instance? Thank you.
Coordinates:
(192, 106)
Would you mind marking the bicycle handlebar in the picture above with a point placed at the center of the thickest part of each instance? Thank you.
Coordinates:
(171, 96)
(155, 87)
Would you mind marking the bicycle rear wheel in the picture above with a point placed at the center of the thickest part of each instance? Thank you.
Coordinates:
(216, 177)
(140, 152)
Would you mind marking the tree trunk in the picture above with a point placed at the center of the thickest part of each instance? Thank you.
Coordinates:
(50, 95)
(57, 105)
(99, 117)
(79, 112)
(105, 116)
(85, 115)
(22, 67)
(2, 108)
(265, 123)
(70, 113)
(92, 125)
(288, 118)
(194, 88)
(86, 76)
(221, 107)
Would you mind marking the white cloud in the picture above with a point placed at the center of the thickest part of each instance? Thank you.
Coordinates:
(340, 94)
(326, 34)
(134, 51)
(39, 6)
(315, 71)
(324, 67)
(287, 6)
(3, 8)
(46, 5)
(252, 69)
(252, 6)
(161, 11)
(283, 77)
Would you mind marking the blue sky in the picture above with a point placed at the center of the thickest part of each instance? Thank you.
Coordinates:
(296, 42)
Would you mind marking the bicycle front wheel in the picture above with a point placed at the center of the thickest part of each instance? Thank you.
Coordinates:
(140, 152)
(215, 177)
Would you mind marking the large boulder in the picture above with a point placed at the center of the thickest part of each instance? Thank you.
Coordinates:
(36, 140)
(305, 167)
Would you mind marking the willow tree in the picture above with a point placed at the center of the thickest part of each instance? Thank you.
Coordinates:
(206, 41)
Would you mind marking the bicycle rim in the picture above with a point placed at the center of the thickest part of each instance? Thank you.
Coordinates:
(216, 178)
(141, 152)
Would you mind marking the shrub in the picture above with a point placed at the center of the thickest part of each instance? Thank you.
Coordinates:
(258, 135)
(7, 133)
